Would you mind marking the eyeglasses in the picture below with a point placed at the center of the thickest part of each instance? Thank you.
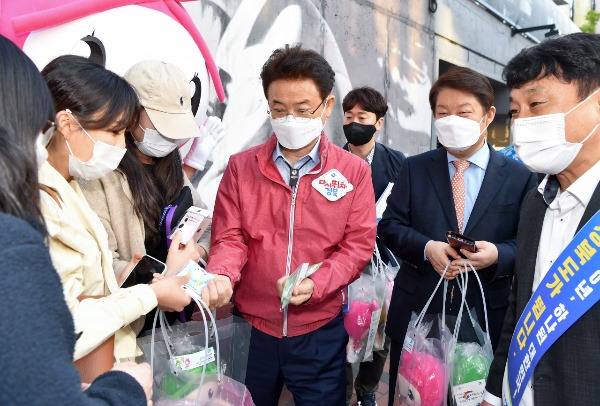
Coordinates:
(300, 116)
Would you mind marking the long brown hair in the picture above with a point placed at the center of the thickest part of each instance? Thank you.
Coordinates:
(152, 193)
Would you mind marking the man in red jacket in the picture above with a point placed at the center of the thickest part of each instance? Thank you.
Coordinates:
(295, 199)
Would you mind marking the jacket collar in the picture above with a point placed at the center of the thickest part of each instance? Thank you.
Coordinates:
(267, 166)
(495, 176)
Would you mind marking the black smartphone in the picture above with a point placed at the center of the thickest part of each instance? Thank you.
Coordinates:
(459, 241)
(144, 271)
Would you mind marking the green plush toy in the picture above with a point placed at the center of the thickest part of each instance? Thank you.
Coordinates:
(177, 386)
(469, 363)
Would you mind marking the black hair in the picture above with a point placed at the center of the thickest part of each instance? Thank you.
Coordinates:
(466, 80)
(152, 192)
(25, 108)
(98, 97)
(367, 98)
(295, 62)
(571, 58)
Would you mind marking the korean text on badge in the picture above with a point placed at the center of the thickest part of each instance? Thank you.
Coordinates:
(332, 185)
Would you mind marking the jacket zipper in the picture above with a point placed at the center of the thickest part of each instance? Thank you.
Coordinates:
(288, 261)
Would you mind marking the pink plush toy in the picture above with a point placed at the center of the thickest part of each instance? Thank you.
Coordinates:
(421, 380)
(357, 322)
(358, 318)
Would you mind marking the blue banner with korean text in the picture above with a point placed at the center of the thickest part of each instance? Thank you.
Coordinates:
(568, 290)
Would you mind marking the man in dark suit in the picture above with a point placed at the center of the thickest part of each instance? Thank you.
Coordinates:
(431, 198)
(364, 111)
(557, 76)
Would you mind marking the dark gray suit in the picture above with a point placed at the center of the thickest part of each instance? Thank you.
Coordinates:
(569, 372)
(421, 208)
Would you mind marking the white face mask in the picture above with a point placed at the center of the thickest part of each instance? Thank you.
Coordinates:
(155, 144)
(458, 133)
(297, 132)
(105, 159)
(41, 153)
(541, 144)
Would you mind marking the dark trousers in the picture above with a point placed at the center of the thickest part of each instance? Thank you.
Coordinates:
(369, 373)
(395, 353)
(311, 366)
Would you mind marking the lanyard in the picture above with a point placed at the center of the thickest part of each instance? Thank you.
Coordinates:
(295, 173)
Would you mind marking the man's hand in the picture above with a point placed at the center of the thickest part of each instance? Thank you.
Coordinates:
(484, 403)
(217, 292)
(301, 293)
(486, 255)
(439, 254)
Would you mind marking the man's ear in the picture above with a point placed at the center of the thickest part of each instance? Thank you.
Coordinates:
(379, 124)
(491, 113)
(329, 107)
(65, 124)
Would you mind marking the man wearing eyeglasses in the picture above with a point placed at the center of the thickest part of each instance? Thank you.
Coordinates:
(295, 199)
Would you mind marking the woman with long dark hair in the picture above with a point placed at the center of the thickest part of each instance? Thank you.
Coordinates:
(94, 108)
(37, 351)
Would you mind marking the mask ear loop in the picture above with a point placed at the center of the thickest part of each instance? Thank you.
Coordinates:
(583, 101)
(579, 104)
(486, 127)
(82, 129)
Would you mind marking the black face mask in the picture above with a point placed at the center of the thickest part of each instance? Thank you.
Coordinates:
(359, 134)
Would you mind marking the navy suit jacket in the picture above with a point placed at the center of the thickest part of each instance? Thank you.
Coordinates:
(421, 208)
(384, 169)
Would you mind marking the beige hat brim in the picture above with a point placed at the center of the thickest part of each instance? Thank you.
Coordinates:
(176, 126)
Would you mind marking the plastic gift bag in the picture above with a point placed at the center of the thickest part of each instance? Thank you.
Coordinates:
(469, 351)
(187, 365)
(388, 276)
(422, 372)
(361, 319)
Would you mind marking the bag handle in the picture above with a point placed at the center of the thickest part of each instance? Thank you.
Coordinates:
(377, 265)
(393, 256)
(202, 305)
(464, 282)
(487, 328)
(422, 314)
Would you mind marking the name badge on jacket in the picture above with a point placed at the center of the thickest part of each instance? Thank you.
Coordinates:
(333, 185)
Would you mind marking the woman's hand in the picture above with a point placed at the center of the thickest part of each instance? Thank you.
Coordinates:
(179, 254)
(169, 294)
(141, 373)
(134, 261)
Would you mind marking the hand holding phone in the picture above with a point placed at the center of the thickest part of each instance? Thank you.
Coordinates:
(193, 224)
(143, 271)
(459, 241)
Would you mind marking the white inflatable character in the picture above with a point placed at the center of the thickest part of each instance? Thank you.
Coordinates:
(118, 34)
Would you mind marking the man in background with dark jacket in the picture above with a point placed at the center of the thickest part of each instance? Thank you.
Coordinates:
(364, 111)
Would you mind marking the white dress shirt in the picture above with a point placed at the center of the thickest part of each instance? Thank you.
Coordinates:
(562, 217)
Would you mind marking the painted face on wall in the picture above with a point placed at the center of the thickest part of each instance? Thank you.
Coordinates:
(120, 37)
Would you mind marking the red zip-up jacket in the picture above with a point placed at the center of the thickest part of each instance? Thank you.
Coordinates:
(259, 225)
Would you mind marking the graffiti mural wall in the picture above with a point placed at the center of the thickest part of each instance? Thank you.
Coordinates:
(373, 43)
